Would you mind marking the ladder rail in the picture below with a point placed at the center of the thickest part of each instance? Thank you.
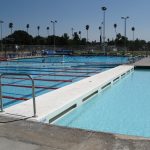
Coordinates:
(33, 89)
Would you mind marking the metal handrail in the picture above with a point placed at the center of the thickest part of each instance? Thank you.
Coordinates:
(33, 91)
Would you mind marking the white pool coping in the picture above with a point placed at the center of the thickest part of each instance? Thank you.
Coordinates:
(53, 103)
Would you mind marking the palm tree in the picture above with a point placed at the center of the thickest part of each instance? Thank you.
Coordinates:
(11, 27)
(72, 29)
(27, 26)
(87, 28)
(80, 34)
(100, 30)
(133, 29)
(115, 26)
(47, 28)
(38, 28)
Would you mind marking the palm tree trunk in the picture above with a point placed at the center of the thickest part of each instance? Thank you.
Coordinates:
(133, 35)
(10, 30)
(87, 36)
(48, 33)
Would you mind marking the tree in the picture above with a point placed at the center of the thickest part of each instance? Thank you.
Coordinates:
(63, 40)
(133, 29)
(99, 27)
(65, 36)
(80, 34)
(139, 44)
(100, 30)
(76, 39)
(47, 31)
(27, 26)
(108, 41)
(38, 40)
(120, 39)
(49, 40)
(19, 37)
(115, 27)
(72, 29)
(11, 27)
(38, 28)
(76, 36)
(83, 41)
(87, 28)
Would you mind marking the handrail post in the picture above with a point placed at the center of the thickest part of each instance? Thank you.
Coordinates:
(1, 98)
(33, 96)
(34, 104)
(33, 91)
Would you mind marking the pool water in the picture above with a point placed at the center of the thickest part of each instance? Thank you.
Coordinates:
(50, 74)
(123, 108)
(69, 59)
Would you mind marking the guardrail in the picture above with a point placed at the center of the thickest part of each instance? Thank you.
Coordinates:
(33, 91)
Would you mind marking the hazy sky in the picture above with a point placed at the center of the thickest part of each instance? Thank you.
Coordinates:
(77, 14)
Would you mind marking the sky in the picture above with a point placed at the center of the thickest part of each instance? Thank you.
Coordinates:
(77, 14)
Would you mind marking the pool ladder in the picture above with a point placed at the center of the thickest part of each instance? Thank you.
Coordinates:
(33, 91)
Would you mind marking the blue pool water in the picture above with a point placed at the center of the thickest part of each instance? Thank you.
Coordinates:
(45, 73)
(68, 59)
(123, 108)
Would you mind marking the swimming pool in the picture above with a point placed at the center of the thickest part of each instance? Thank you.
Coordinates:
(75, 59)
(50, 74)
(122, 108)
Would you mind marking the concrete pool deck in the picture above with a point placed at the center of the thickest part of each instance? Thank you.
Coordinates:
(22, 135)
(53, 103)
(143, 63)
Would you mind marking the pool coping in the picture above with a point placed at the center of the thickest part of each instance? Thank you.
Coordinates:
(51, 104)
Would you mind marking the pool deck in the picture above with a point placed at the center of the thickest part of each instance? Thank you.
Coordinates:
(143, 63)
(22, 135)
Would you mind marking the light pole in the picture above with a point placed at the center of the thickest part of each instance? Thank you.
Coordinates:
(54, 22)
(104, 9)
(1, 22)
(125, 24)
